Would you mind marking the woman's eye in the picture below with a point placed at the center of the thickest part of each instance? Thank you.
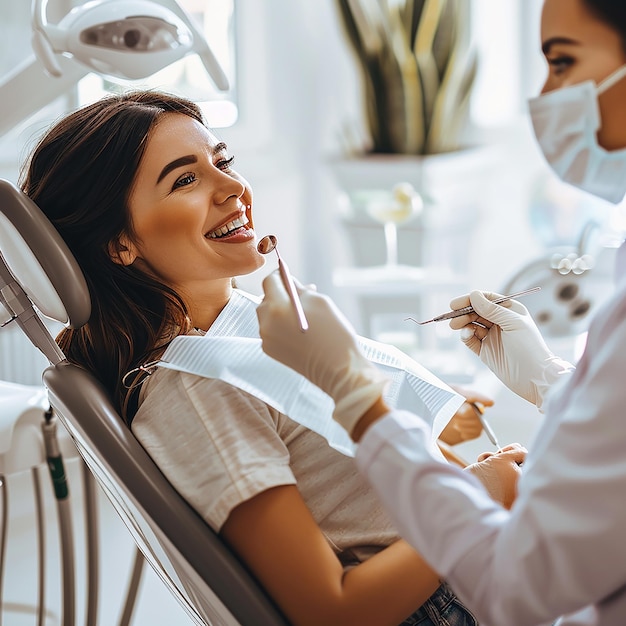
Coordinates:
(184, 180)
(225, 164)
(560, 64)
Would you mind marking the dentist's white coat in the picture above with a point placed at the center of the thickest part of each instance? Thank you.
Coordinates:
(562, 548)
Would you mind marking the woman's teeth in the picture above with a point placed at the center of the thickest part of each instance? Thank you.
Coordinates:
(227, 228)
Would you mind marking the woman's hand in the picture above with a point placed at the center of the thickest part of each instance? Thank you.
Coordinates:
(499, 472)
(465, 424)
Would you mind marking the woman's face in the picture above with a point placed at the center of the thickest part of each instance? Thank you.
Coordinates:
(579, 47)
(191, 212)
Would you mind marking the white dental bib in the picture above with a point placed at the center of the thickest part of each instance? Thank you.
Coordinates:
(231, 351)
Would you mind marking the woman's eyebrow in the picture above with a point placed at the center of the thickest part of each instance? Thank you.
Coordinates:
(188, 160)
(548, 43)
(185, 160)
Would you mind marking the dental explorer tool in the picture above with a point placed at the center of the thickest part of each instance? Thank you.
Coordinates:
(480, 413)
(469, 309)
(265, 246)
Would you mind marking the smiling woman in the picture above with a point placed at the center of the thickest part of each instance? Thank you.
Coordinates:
(184, 211)
(147, 200)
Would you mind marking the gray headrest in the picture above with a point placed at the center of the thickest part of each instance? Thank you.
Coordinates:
(39, 260)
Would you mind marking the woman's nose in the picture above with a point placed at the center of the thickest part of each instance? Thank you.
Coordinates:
(229, 187)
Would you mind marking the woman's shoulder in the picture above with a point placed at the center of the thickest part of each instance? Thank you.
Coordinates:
(210, 405)
(186, 422)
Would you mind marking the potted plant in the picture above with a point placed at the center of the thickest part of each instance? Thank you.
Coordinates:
(417, 67)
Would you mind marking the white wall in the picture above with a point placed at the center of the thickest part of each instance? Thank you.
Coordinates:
(300, 88)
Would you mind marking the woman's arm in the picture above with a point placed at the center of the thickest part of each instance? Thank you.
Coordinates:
(246, 489)
(275, 534)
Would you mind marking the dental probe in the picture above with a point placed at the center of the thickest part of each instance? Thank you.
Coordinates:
(265, 246)
(470, 309)
(480, 413)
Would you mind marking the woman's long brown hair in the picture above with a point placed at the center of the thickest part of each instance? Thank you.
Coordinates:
(81, 174)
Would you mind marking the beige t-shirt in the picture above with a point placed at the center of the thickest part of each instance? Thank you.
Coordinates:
(220, 446)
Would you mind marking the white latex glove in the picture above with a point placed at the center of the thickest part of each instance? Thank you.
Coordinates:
(327, 353)
(510, 344)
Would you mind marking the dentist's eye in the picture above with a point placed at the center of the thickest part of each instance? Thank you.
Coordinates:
(559, 64)
(225, 164)
(184, 180)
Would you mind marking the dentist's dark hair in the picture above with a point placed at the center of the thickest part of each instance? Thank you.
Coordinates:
(612, 13)
(81, 175)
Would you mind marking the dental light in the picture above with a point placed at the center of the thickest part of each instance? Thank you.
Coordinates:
(128, 39)
(575, 281)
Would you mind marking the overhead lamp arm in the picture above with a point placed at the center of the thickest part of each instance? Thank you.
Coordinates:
(29, 88)
(40, 40)
(201, 47)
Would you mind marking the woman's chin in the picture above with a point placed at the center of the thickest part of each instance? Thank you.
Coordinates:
(253, 266)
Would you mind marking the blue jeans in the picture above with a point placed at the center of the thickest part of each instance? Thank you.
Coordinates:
(443, 608)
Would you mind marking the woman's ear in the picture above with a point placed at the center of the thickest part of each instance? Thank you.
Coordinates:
(122, 251)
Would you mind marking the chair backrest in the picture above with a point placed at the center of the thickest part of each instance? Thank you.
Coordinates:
(36, 268)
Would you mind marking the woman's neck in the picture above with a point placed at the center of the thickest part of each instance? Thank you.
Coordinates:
(205, 308)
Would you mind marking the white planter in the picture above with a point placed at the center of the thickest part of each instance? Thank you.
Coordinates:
(452, 186)
(448, 181)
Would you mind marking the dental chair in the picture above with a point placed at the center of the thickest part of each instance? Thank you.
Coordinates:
(38, 275)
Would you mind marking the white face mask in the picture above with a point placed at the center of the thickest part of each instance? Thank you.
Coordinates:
(566, 121)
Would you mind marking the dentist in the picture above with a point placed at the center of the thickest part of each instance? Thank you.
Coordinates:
(560, 550)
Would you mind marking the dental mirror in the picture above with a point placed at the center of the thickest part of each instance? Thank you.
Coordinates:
(265, 246)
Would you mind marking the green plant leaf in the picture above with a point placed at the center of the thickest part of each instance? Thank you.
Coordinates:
(417, 70)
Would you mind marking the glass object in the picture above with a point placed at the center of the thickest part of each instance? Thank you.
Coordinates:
(392, 209)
